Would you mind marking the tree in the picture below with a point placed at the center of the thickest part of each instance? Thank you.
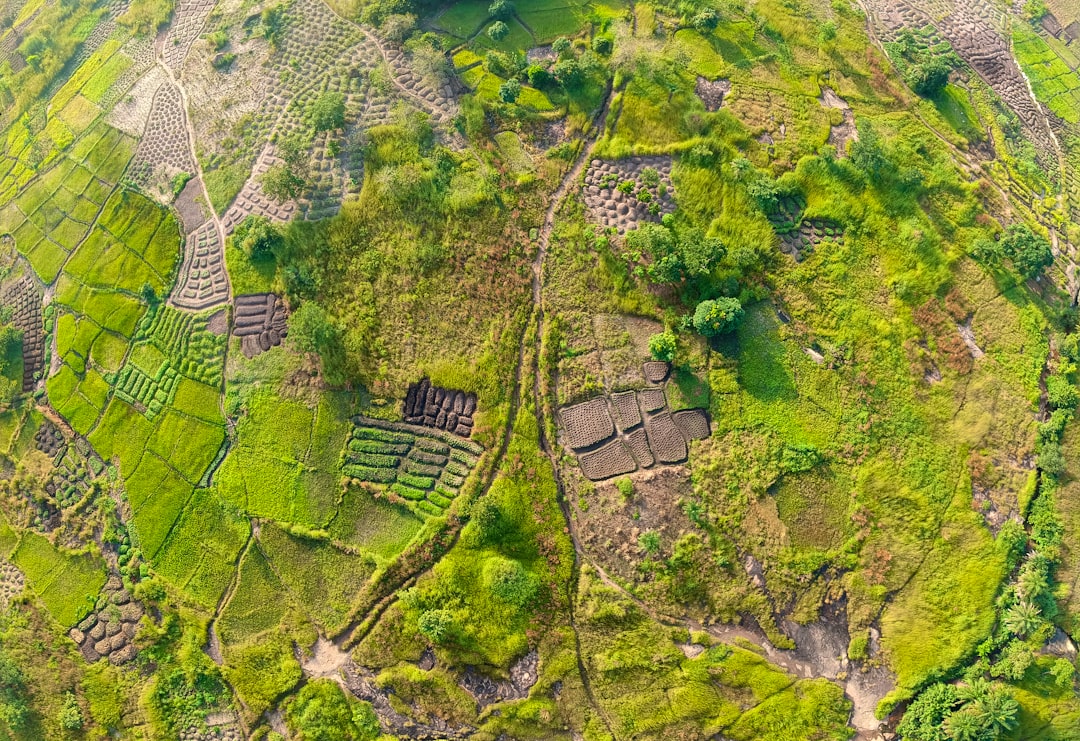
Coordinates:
(1022, 618)
(14, 711)
(662, 346)
(328, 111)
(964, 725)
(998, 709)
(538, 75)
(868, 151)
(498, 31)
(924, 717)
(436, 625)
(509, 91)
(561, 46)
(1030, 252)
(311, 330)
(257, 236)
(397, 26)
(281, 184)
(501, 9)
(929, 78)
(320, 711)
(10, 352)
(713, 318)
(705, 21)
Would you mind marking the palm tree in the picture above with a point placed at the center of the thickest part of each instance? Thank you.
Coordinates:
(997, 710)
(1022, 618)
(964, 725)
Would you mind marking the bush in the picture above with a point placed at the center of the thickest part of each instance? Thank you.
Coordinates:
(509, 91)
(538, 75)
(436, 625)
(510, 582)
(322, 712)
(713, 318)
(328, 112)
(1060, 393)
(70, 717)
(662, 346)
(569, 73)
(1029, 252)
(501, 9)
(706, 20)
(281, 184)
(498, 31)
(257, 236)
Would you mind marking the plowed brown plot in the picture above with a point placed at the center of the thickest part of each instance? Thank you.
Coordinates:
(110, 630)
(665, 440)
(693, 424)
(626, 409)
(653, 400)
(639, 446)
(587, 423)
(613, 459)
(656, 371)
(25, 301)
(260, 322)
(443, 409)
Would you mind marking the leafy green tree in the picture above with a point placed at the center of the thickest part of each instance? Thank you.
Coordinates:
(1030, 252)
(501, 9)
(662, 346)
(924, 717)
(509, 91)
(998, 710)
(328, 111)
(498, 31)
(713, 318)
(706, 20)
(257, 236)
(561, 46)
(10, 352)
(1022, 619)
(320, 711)
(1063, 672)
(569, 73)
(70, 717)
(14, 710)
(436, 625)
(965, 725)
(602, 45)
(930, 78)
(281, 184)
(538, 75)
(510, 581)
(311, 329)
(1015, 660)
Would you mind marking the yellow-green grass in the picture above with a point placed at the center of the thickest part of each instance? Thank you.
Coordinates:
(66, 583)
(463, 19)
(1054, 83)
(374, 525)
(79, 113)
(106, 76)
(258, 604)
(84, 73)
(199, 557)
(323, 580)
(122, 434)
(518, 39)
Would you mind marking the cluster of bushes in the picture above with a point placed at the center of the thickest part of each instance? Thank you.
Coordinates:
(925, 69)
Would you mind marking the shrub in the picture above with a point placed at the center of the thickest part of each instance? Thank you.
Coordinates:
(509, 91)
(322, 711)
(706, 20)
(1060, 393)
(70, 717)
(498, 31)
(1030, 252)
(328, 112)
(436, 625)
(257, 236)
(716, 317)
(509, 581)
(538, 75)
(501, 9)
(662, 346)
(281, 184)
(602, 45)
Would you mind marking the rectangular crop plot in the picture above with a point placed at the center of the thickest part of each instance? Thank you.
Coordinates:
(423, 466)
(626, 410)
(613, 459)
(588, 423)
(665, 439)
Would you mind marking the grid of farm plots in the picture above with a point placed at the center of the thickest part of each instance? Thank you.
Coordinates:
(423, 466)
